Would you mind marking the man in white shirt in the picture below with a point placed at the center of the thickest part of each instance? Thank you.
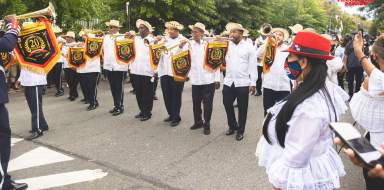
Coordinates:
(265, 31)
(142, 72)
(71, 75)
(240, 79)
(203, 81)
(115, 71)
(33, 84)
(172, 90)
(89, 78)
(276, 84)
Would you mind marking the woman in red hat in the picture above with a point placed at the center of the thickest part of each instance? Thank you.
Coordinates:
(296, 148)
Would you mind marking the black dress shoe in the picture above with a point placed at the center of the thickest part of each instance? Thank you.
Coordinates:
(230, 132)
(155, 97)
(207, 131)
(60, 93)
(174, 123)
(35, 135)
(132, 92)
(72, 98)
(138, 116)
(82, 100)
(239, 136)
(18, 186)
(258, 94)
(118, 112)
(86, 102)
(30, 131)
(113, 110)
(92, 107)
(196, 126)
(168, 119)
(145, 118)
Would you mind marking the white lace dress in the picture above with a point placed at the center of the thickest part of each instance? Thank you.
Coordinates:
(367, 107)
(308, 161)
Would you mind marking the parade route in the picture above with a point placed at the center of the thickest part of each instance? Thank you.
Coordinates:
(96, 151)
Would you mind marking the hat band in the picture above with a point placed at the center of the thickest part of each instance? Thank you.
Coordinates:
(304, 49)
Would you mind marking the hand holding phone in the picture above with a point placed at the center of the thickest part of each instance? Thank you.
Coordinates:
(361, 147)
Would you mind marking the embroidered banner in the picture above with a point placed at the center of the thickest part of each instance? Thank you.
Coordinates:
(181, 65)
(76, 57)
(93, 47)
(8, 59)
(37, 48)
(215, 55)
(155, 52)
(269, 54)
(125, 51)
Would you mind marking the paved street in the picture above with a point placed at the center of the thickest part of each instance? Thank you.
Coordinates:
(96, 151)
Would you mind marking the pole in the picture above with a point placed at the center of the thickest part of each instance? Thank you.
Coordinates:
(128, 17)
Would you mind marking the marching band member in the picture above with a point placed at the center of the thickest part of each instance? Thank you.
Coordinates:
(265, 31)
(203, 82)
(276, 84)
(89, 77)
(240, 79)
(172, 90)
(246, 37)
(7, 43)
(71, 75)
(33, 84)
(297, 149)
(54, 76)
(142, 72)
(116, 72)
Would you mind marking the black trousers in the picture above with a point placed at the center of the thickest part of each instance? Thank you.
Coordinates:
(54, 76)
(5, 144)
(72, 78)
(203, 94)
(270, 97)
(155, 82)
(34, 95)
(259, 81)
(172, 94)
(116, 82)
(354, 75)
(89, 81)
(144, 93)
(229, 95)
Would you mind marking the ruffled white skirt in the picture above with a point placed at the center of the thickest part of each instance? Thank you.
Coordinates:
(323, 172)
(368, 111)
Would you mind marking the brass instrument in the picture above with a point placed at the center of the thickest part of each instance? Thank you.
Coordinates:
(217, 38)
(49, 11)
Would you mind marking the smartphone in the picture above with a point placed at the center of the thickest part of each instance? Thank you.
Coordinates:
(363, 149)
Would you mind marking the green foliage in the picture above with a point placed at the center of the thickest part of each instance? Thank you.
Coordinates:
(215, 14)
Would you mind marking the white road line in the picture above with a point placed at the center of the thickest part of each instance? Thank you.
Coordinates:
(37, 157)
(57, 180)
(15, 140)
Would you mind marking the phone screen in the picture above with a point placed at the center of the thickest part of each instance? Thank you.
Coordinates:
(361, 145)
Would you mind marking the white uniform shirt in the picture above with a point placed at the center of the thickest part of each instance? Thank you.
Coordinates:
(142, 63)
(91, 66)
(339, 52)
(110, 62)
(165, 65)
(61, 41)
(198, 74)
(241, 66)
(276, 79)
(29, 78)
(334, 66)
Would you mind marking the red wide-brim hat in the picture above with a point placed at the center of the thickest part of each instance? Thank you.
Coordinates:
(310, 44)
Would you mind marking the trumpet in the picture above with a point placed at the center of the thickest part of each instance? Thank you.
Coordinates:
(49, 11)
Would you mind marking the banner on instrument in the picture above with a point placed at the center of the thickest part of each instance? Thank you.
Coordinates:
(155, 52)
(181, 65)
(76, 57)
(269, 54)
(125, 51)
(215, 55)
(93, 47)
(37, 49)
(8, 59)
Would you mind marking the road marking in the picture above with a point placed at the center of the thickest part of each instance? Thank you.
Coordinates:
(37, 157)
(15, 140)
(57, 180)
